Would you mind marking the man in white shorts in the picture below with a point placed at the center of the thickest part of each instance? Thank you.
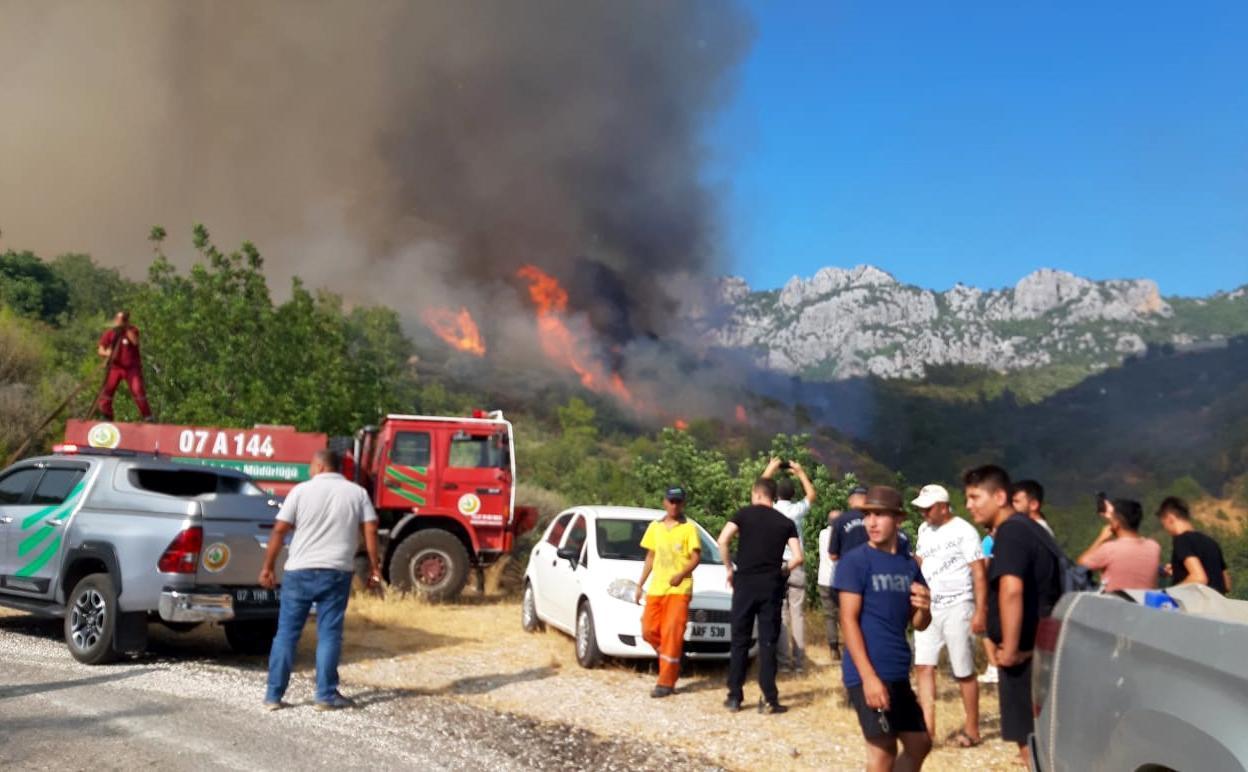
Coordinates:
(952, 561)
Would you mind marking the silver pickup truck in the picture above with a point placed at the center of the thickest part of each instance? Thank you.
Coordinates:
(1124, 687)
(112, 541)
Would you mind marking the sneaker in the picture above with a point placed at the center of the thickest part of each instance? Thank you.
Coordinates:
(337, 702)
(662, 691)
(271, 706)
(989, 676)
(770, 708)
(733, 704)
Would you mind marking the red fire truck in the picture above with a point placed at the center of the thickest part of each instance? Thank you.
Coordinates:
(443, 487)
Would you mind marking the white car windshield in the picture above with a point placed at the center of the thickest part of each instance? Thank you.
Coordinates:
(621, 540)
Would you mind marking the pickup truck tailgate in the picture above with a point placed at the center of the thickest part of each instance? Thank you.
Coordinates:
(236, 535)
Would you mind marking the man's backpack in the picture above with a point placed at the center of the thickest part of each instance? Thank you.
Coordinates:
(1071, 577)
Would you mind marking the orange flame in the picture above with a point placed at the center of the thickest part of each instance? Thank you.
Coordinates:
(742, 416)
(680, 425)
(558, 340)
(457, 329)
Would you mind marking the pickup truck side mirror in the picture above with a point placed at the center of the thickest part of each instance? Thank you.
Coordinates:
(570, 554)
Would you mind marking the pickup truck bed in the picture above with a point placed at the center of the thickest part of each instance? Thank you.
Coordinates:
(1122, 686)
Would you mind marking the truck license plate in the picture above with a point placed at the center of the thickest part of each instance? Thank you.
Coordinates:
(695, 632)
(256, 596)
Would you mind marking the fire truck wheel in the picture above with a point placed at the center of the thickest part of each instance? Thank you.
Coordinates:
(431, 562)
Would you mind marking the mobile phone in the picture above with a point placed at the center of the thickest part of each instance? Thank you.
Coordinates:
(885, 727)
(785, 465)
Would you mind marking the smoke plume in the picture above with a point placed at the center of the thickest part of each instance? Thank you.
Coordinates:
(396, 152)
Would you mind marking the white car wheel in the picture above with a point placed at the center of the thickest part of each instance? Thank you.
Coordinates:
(529, 619)
(587, 652)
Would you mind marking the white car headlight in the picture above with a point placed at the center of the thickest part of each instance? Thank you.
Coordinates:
(623, 589)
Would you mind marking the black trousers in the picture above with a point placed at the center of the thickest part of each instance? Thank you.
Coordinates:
(755, 597)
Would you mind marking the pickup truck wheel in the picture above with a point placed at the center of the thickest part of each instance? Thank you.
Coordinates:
(587, 652)
(432, 563)
(251, 636)
(90, 619)
(529, 619)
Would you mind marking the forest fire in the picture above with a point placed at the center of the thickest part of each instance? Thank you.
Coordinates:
(680, 425)
(742, 416)
(456, 328)
(560, 343)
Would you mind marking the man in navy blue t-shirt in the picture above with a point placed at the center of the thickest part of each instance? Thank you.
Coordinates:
(882, 592)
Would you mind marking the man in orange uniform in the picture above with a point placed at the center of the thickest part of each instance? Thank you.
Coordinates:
(119, 346)
(673, 550)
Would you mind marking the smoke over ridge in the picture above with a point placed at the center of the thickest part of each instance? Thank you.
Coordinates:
(397, 152)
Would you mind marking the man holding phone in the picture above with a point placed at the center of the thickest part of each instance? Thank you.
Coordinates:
(882, 593)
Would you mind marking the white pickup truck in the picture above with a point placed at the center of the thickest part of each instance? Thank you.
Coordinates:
(1120, 686)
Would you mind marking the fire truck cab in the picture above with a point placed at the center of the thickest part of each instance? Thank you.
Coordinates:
(444, 490)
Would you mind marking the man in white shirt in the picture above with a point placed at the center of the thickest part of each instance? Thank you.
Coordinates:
(950, 555)
(828, 596)
(792, 652)
(326, 514)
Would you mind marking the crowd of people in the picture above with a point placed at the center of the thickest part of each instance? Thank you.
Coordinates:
(952, 587)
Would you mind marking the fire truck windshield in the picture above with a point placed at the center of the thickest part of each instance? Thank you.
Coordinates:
(478, 451)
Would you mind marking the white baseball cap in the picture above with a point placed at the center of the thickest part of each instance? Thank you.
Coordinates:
(931, 494)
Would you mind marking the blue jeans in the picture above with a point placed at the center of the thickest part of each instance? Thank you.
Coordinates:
(329, 590)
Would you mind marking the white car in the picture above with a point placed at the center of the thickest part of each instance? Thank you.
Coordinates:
(583, 574)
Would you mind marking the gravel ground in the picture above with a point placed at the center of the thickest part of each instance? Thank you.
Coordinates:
(189, 704)
(476, 652)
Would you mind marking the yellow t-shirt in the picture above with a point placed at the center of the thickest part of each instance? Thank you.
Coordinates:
(673, 548)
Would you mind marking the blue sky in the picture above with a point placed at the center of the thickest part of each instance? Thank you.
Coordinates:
(977, 142)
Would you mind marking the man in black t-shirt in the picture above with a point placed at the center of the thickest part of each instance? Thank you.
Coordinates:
(758, 585)
(1023, 585)
(1197, 558)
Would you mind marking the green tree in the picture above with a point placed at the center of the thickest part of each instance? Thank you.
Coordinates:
(31, 288)
(92, 290)
(217, 350)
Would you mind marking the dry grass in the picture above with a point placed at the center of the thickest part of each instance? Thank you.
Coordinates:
(476, 651)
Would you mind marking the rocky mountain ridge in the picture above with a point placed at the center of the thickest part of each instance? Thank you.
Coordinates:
(844, 323)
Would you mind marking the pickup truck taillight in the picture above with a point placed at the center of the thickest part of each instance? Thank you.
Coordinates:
(1047, 634)
(182, 554)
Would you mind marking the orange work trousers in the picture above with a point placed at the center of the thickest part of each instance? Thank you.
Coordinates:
(663, 627)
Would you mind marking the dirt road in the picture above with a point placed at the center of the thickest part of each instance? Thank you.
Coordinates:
(189, 705)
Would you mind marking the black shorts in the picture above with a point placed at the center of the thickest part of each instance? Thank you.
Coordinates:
(903, 714)
(1014, 691)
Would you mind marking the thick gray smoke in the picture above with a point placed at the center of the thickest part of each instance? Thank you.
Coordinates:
(396, 152)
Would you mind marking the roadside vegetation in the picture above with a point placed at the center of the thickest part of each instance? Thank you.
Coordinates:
(219, 348)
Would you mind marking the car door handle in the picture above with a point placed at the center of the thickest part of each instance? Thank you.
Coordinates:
(5, 520)
(489, 491)
(54, 523)
(450, 486)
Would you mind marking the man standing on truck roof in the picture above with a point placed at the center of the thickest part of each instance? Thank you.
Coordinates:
(1197, 558)
(673, 550)
(327, 514)
(882, 592)
(1023, 584)
(949, 553)
(119, 346)
(1126, 560)
(792, 653)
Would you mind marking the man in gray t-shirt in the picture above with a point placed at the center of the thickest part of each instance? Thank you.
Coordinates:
(326, 514)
